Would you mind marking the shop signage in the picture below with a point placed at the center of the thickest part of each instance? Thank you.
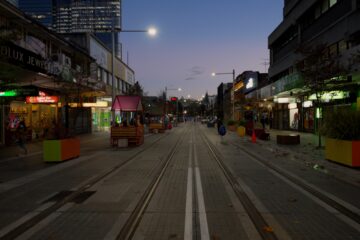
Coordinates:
(22, 57)
(19, 92)
(42, 99)
(81, 99)
(327, 96)
(251, 82)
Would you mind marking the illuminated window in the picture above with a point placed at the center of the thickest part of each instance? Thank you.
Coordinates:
(332, 2)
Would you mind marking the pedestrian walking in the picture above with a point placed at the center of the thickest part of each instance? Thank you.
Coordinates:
(263, 119)
(21, 136)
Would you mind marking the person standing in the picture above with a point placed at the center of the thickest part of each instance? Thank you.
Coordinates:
(21, 135)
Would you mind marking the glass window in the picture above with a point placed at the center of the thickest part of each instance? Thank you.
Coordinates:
(317, 12)
(325, 6)
(333, 50)
(342, 46)
(332, 2)
(99, 73)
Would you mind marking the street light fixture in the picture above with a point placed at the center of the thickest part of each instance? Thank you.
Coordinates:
(233, 88)
(151, 31)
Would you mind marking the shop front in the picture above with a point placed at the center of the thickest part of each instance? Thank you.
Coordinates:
(37, 113)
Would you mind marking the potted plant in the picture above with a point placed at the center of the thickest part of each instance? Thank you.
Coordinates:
(231, 125)
(341, 129)
(60, 145)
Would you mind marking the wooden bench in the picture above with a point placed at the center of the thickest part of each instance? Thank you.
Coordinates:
(134, 135)
(159, 126)
(289, 139)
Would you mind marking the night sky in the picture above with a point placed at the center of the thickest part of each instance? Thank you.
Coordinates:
(196, 38)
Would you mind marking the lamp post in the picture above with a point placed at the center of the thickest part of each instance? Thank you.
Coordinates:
(150, 31)
(233, 88)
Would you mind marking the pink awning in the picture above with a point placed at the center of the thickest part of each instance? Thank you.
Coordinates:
(127, 104)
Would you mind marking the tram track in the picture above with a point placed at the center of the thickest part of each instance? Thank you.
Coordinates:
(129, 228)
(352, 213)
(259, 222)
(344, 211)
(31, 222)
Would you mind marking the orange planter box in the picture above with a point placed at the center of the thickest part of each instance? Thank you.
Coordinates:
(342, 151)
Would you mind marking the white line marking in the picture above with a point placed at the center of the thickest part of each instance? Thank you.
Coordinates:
(188, 233)
(204, 229)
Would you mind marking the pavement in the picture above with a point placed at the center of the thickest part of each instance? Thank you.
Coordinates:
(306, 153)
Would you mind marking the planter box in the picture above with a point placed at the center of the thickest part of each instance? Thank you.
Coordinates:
(342, 151)
(60, 150)
(232, 128)
(241, 131)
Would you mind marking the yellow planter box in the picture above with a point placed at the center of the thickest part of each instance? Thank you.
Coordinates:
(241, 131)
(342, 151)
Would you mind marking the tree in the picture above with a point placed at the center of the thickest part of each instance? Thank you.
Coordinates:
(136, 90)
(319, 67)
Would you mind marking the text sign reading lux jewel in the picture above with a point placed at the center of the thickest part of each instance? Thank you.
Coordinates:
(22, 57)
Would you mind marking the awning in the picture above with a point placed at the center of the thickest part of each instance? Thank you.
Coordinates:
(127, 104)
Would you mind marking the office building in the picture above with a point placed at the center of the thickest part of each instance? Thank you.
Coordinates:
(78, 16)
(310, 23)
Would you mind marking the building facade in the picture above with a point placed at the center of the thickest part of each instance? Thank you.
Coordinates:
(101, 17)
(43, 79)
(333, 24)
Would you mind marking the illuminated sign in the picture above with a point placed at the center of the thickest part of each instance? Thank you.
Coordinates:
(173, 99)
(331, 95)
(42, 99)
(11, 93)
(238, 86)
(90, 104)
(19, 92)
(250, 83)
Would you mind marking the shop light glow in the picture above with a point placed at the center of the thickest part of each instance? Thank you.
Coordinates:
(307, 104)
(283, 100)
(11, 93)
(292, 105)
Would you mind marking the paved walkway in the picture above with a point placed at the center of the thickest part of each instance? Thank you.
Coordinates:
(307, 153)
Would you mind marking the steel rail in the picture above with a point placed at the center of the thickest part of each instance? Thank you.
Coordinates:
(334, 204)
(258, 220)
(129, 228)
(16, 232)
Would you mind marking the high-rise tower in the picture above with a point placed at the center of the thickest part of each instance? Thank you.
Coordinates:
(77, 16)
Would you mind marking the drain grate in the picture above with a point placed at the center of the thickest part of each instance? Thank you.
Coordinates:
(80, 198)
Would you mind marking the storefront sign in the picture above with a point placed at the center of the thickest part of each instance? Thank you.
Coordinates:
(19, 92)
(327, 96)
(42, 99)
(22, 57)
(250, 82)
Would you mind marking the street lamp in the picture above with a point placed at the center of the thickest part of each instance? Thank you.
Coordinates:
(233, 88)
(150, 31)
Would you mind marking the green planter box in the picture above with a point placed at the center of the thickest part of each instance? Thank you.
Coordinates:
(60, 150)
